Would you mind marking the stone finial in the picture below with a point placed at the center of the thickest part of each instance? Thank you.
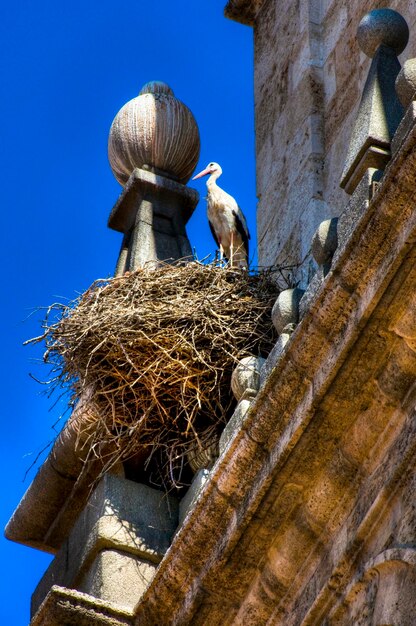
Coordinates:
(325, 242)
(382, 35)
(203, 457)
(406, 83)
(153, 148)
(246, 375)
(285, 312)
(382, 27)
(154, 131)
(156, 86)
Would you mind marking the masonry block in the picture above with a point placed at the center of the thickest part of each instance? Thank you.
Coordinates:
(117, 577)
(122, 516)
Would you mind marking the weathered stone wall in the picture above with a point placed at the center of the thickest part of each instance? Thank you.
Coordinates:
(309, 77)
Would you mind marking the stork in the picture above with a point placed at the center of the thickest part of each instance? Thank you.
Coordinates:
(226, 220)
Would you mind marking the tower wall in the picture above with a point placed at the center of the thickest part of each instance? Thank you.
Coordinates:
(309, 77)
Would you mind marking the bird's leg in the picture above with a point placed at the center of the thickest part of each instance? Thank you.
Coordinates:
(231, 249)
(221, 252)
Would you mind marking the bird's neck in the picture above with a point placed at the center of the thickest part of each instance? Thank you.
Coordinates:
(212, 180)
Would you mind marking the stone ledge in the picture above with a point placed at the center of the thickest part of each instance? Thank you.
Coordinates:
(66, 606)
(60, 489)
(172, 196)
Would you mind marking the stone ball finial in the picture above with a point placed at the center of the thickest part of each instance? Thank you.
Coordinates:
(154, 131)
(285, 311)
(382, 27)
(406, 83)
(156, 86)
(246, 375)
(325, 241)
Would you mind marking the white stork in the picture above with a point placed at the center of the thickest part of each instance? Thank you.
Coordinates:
(226, 220)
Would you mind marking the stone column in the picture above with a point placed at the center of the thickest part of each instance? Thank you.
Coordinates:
(152, 212)
(114, 548)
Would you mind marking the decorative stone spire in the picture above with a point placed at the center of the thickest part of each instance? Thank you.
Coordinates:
(153, 148)
(382, 35)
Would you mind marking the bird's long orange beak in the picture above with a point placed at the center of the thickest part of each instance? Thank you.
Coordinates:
(203, 173)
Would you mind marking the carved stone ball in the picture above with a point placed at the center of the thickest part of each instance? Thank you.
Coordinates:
(246, 375)
(156, 86)
(285, 310)
(154, 131)
(325, 241)
(204, 458)
(406, 83)
(382, 27)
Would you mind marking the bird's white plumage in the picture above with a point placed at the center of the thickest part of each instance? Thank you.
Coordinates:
(227, 221)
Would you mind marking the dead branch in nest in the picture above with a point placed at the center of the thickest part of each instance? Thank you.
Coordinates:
(158, 347)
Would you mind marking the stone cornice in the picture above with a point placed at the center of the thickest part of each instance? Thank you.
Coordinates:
(65, 606)
(243, 11)
(296, 454)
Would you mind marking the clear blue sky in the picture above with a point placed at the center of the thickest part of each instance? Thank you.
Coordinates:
(66, 69)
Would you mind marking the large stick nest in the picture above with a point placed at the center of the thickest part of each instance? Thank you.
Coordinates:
(155, 350)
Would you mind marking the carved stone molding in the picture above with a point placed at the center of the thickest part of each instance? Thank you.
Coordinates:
(383, 594)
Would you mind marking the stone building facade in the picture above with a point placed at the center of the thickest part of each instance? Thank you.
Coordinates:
(308, 516)
(308, 81)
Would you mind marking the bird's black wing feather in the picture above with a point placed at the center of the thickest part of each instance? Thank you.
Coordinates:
(214, 234)
(245, 235)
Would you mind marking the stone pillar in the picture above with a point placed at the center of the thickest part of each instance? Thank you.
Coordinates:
(108, 544)
(152, 212)
(153, 149)
(382, 35)
(114, 548)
